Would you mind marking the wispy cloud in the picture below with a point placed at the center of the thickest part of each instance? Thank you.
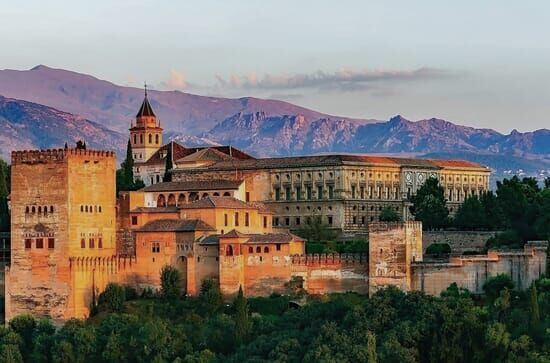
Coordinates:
(175, 81)
(345, 79)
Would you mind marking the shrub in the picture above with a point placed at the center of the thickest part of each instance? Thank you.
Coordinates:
(494, 285)
(438, 249)
(113, 297)
(170, 282)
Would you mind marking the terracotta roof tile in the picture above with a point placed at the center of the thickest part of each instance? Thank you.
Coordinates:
(195, 185)
(168, 209)
(175, 225)
(223, 202)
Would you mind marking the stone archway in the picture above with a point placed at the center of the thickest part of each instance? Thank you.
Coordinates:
(181, 199)
(171, 200)
(161, 201)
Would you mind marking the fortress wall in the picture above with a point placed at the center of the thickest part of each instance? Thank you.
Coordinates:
(471, 272)
(460, 241)
(332, 273)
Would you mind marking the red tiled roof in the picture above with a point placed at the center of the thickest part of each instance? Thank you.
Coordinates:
(456, 163)
(224, 202)
(156, 158)
(167, 209)
(195, 185)
(262, 238)
(175, 225)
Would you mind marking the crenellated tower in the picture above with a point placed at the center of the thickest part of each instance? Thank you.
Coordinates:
(145, 133)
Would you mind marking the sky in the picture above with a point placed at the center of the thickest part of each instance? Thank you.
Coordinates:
(476, 63)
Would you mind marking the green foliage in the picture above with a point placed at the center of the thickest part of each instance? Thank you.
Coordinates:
(113, 297)
(169, 165)
(314, 230)
(438, 249)
(388, 214)
(242, 319)
(494, 285)
(210, 296)
(4, 192)
(470, 214)
(534, 312)
(170, 282)
(338, 246)
(429, 205)
(125, 175)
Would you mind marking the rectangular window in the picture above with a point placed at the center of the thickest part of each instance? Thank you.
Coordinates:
(246, 219)
(362, 192)
(277, 194)
(331, 192)
(275, 221)
(82, 243)
(100, 242)
(329, 219)
(354, 220)
(319, 192)
(298, 193)
(265, 222)
(51, 243)
(39, 243)
(287, 193)
(155, 247)
(308, 192)
(353, 191)
(247, 198)
(92, 243)
(278, 246)
(297, 221)
(225, 220)
(236, 219)
(28, 243)
(287, 221)
(363, 220)
(134, 221)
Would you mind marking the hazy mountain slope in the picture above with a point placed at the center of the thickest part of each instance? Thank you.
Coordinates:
(27, 125)
(114, 106)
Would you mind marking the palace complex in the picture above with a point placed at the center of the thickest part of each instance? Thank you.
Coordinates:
(229, 217)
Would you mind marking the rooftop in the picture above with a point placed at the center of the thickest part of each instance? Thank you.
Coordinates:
(263, 238)
(196, 185)
(175, 225)
(224, 202)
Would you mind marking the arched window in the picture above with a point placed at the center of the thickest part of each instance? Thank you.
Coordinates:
(226, 194)
(82, 208)
(33, 209)
(161, 201)
(266, 249)
(229, 250)
(181, 199)
(193, 197)
(39, 209)
(258, 249)
(91, 210)
(157, 139)
(150, 139)
(250, 250)
(204, 195)
(171, 200)
(135, 139)
(216, 194)
(99, 209)
(51, 208)
(27, 209)
(45, 210)
(236, 219)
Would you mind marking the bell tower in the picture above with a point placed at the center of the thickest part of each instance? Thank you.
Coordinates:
(145, 133)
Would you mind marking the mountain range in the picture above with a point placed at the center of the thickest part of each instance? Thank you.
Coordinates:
(100, 112)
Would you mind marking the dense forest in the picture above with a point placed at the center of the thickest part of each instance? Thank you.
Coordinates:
(505, 325)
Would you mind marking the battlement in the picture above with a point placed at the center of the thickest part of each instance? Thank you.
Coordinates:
(340, 259)
(388, 226)
(55, 155)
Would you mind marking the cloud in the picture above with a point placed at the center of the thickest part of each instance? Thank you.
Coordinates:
(344, 80)
(176, 81)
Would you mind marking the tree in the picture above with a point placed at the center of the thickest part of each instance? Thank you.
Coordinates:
(470, 214)
(125, 180)
(170, 282)
(10, 353)
(210, 296)
(429, 205)
(24, 326)
(113, 297)
(4, 192)
(314, 230)
(169, 165)
(371, 347)
(388, 214)
(242, 322)
(494, 285)
(43, 340)
(534, 312)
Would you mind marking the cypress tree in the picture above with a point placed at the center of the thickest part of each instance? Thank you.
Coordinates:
(534, 308)
(4, 191)
(169, 165)
(242, 322)
(128, 166)
(371, 347)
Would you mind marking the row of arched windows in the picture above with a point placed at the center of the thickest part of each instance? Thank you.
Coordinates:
(39, 209)
(90, 208)
(258, 249)
(157, 139)
(163, 201)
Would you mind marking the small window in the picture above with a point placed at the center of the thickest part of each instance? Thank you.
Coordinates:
(39, 243)
(134, 220)
(247, 198)
(82, 208)
(92, 243)
(329, 220)
(297, 221)
(287, 221)
(51, 243)
(86, 209)
(100, 242)
(278, 246)
(27, 209)
(258, 249)
(246, 219)
(82, 243)
(155, 247)
(39, 209)
(28, 243)
(225, 220)
(236, 219)
(99, 208)
(250, 250)
(51, 208)
(33, 209)
(265, 222)
(266, 249)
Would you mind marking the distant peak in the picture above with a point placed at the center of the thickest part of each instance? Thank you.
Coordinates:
(38, 67)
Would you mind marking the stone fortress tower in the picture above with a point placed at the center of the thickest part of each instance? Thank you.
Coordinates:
(63, 230)
(146, 133)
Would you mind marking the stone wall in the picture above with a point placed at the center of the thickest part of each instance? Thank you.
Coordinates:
(332, 273)
(471, 272)
(460, 241)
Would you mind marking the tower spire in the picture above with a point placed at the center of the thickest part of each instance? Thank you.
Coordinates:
(145, 86)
